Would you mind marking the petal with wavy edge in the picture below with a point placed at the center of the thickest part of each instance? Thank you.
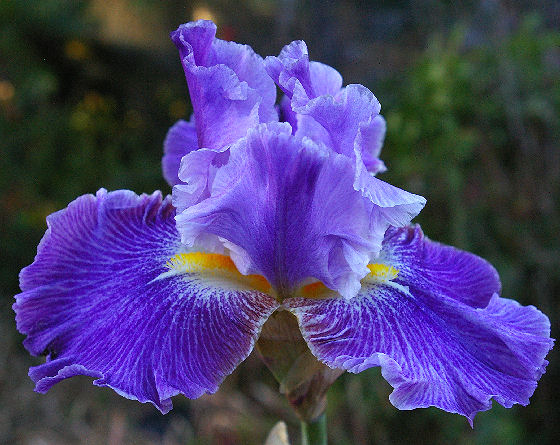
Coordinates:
(197, 171)
(286, 113)
(445, 270)
(100, 301)
(434, 349)
(292, 69)
(342, 116)
(343, 119)
(180, 140)
(291, 209)
(370, 141)
(229, 87)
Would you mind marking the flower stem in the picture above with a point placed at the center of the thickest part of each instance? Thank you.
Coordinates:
(314, 433)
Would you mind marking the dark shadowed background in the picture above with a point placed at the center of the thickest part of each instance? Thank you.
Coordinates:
(471, 95)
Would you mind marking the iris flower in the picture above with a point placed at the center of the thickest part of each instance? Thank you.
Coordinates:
(274, 208)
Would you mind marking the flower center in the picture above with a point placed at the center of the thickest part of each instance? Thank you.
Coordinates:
(220, 270)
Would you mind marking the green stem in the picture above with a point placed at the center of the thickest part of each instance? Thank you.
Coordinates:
(314, 433)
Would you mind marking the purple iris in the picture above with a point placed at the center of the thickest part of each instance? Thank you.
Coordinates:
(274, 208)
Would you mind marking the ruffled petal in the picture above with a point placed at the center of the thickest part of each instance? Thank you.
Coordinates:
(370, 138)
(434, 349)
(286, 113)
(344, 119)
(347, 119)
(180, 140)
(292, 71)
(229, 87)
(108, 296)
(197, 172)
(289, 210)
(395, 206)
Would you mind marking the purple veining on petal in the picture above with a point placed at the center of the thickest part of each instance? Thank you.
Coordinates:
(180, 140)
(228, 85)
(445, 270)
(290, 207)
(92, 302)
(434, 346)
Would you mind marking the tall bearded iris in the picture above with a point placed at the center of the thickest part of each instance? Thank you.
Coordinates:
(275, 209)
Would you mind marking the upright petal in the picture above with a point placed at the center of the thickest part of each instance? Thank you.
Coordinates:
(435, 347)
(111, 295)
(344, 119)
(348, 118)
(294, 74)
(369, 142)
(289, 210)
(229, 88)
(196, 172)
(394, 205)
(180, 140)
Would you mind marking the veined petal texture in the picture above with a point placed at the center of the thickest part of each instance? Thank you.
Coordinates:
(229, 88)
(436, 326)
(112, 295)
(289, 211)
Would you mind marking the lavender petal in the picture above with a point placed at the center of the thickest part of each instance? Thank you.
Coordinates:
(229, 88)
(289, 210)
(180, 140)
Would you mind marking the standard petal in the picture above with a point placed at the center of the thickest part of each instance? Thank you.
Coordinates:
(107, 296)
(434, 349)
(342, 116)
(344, 119)
(291, 209)
(197, 172)
(229, 87)
(292, 70)
(180, 140)
(395, 206)
(370, 140)
(286, 113)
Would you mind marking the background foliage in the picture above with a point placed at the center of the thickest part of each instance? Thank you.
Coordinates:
(471, 94)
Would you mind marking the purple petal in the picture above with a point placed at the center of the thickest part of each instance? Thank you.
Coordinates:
(100, 301)
(197, 172)
(289, 210)
(180, 140)
(348, 118)
(326, 80)
(448, 272)
(395, 206)
(370, 138)
(287, 114)
(434, 349)
(292, 70)
(229, 87)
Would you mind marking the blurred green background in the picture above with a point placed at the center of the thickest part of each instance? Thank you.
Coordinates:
(471, 93)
